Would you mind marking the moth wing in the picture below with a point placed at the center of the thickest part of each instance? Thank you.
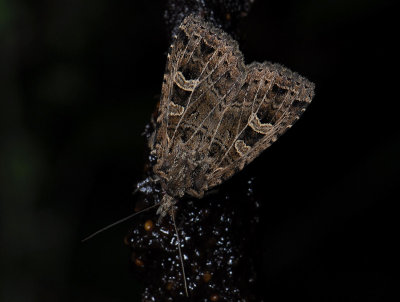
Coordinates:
(204, 73)
(218, 111)
(271, 100)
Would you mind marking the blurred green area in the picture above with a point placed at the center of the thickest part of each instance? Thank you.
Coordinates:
(78, 83)
(75, 97)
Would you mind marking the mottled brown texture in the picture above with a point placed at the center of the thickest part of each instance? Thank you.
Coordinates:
(217, 114)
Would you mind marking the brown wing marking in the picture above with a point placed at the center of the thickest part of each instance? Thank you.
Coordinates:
(281, 105)
(213, 88)
(221, 106)
(178, 49)
(190, 103)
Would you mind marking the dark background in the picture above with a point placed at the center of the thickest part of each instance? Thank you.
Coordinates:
(79, 81)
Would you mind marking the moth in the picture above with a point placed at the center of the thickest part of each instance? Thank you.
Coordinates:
(217, 114)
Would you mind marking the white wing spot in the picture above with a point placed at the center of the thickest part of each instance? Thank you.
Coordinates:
(175, 109)
(184, 84)
(256, 125)
(241, 147)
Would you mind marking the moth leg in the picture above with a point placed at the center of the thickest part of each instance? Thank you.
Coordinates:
(144, 186)
(166, 206)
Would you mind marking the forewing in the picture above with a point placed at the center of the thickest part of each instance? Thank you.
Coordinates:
(272, 98)
(204, 73)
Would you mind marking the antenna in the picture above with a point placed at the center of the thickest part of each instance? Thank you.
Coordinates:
(118, 222)
(180, 253)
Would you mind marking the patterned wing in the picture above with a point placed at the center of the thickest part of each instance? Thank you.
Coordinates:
(270, 101)
(204, 73)
(217, 114)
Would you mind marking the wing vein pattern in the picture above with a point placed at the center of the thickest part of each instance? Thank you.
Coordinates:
(216, 113)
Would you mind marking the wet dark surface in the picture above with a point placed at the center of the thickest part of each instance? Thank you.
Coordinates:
(218, 237)
(218, 241)
(224, 14)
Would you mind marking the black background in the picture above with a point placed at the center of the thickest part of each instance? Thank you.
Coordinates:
(79, 81)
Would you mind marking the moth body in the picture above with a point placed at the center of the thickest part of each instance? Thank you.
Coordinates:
(216, 113)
